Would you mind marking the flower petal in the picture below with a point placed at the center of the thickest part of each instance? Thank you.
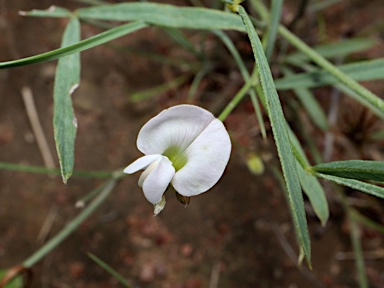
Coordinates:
(141, 163)
(158, 180)
(207, 156)
(177, 126)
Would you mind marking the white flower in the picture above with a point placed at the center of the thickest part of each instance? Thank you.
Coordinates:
(184, 145)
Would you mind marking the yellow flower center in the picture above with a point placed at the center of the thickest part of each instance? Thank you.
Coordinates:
(176, 156)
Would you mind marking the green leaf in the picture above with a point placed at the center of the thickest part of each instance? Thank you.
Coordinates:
(15, 283)
(78, 47)
(273, 26)
(361, 71)
(355, 184)
(361, 92)
(52, 11)
(244, 72)
(165, 15)
(280, 133)
(67, 79)
(315, 193)
(309, 183)
(52, 171)
(337, 49)
(309, 102)
(353, 169)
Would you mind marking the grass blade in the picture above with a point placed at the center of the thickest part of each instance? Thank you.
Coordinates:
(244, 72)
(361, 71)
(310, 104)
(109, 269)
(164, 15)
(337, 49)
(309, 183)
(52, 171)
(360, 90)
(280, 133)
(273, 26)
(78, 47)
(353, 169)
(312, 188)
(67, 79)
(357, 249)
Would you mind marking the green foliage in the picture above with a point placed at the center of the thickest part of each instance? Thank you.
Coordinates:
(281, 137)
(164, 15)
(66, 81)
(362, 71)
(353, 169)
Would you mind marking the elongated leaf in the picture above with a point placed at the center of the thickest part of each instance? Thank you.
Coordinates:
(280, 133)
(351, 93)
(67, 79)
(78, 47)
(312, 188)
(343, 78)
(52, 11)
(109, 269)
(337, 49)
(361, 71)
(353, 169)
(358, 251)
(355, 184)
(309, 102)
(361, 92)
(273, 26)
(309, 183)
(244, 72)
(50, 171)
(164, 15)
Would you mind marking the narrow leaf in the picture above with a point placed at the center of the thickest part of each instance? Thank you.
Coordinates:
(78, 47)
(109, 269)
(355, 184)
(244, 72)
(309, 102)
(280, 133)
(52, 11)
(315, 193)
(336, 49)
(353, 169)
(361, 71)
(52, 171)
(309, 183)
(360, 90)
(273, 26)
(66, 81)
(164, 15)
